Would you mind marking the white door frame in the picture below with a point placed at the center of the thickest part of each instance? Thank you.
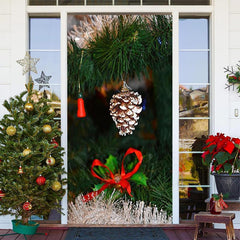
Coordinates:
(175, 11)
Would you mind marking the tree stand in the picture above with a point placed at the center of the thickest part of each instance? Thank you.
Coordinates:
(20, 228)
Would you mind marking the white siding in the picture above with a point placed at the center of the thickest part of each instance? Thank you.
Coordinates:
(5, 52)
(12, 47)
(234, 5)
(234, 58)
(5, 6)
(5, 33)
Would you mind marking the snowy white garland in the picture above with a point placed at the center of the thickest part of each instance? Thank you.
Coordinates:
(109, 211)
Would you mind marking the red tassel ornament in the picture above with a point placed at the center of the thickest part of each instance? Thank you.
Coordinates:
(81, 113)
(2, 194)
(20, 170)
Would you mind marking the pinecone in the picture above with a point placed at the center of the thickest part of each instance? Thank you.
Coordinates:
(125, 109)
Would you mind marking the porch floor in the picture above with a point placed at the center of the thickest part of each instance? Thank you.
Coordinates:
(174, 232)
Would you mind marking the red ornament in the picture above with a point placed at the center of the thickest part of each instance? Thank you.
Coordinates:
(2, 194)
(27, 206)
(41, 180)
(55, 143)
(81, 113)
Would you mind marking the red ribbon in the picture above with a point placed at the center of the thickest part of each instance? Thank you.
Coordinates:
(222, 203)
(118, 180)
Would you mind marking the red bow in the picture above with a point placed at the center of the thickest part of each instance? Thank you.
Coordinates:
(117, 180)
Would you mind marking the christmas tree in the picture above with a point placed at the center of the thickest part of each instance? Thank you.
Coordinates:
(31, 161)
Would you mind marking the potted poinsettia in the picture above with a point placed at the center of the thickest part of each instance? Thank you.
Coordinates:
(221, 153)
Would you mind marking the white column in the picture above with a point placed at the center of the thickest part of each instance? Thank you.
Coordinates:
(219, 45)
(219, 99)
(175, 118)
(64, 105)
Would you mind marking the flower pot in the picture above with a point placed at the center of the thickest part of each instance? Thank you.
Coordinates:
(228, 184)
(28, 229)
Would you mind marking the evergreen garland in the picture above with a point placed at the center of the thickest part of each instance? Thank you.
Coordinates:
(130, 46)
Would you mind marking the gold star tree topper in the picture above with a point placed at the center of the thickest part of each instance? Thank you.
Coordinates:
(28, 63)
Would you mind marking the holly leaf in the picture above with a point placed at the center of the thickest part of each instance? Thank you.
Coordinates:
(112, 163)
(97, 186)
(139, 178)
(130, 166)
(222, 157)
(102, 172)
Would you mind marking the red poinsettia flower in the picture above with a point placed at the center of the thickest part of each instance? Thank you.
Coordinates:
(222, 153)
(236, 141)
(229, 147)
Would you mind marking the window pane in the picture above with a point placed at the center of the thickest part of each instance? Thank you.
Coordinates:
(193, 33)
(155, 2)
(49, 63)
(44, 33)
(70, 2)
(127, 2)
(42, 2)
(99, 2)
(193, 101)
(56, 100)
(193, 67)
(191, 169)
(192, 201)
(195, 144)
(190, 2)
(189, 130)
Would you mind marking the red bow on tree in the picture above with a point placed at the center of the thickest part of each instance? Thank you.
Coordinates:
(119, 181)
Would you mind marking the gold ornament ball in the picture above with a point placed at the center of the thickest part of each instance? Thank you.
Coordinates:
(56, 186)
(50, 161)
(11, 130)
(26, 152)
(47, 128)
(29, 107)
(50, 110)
